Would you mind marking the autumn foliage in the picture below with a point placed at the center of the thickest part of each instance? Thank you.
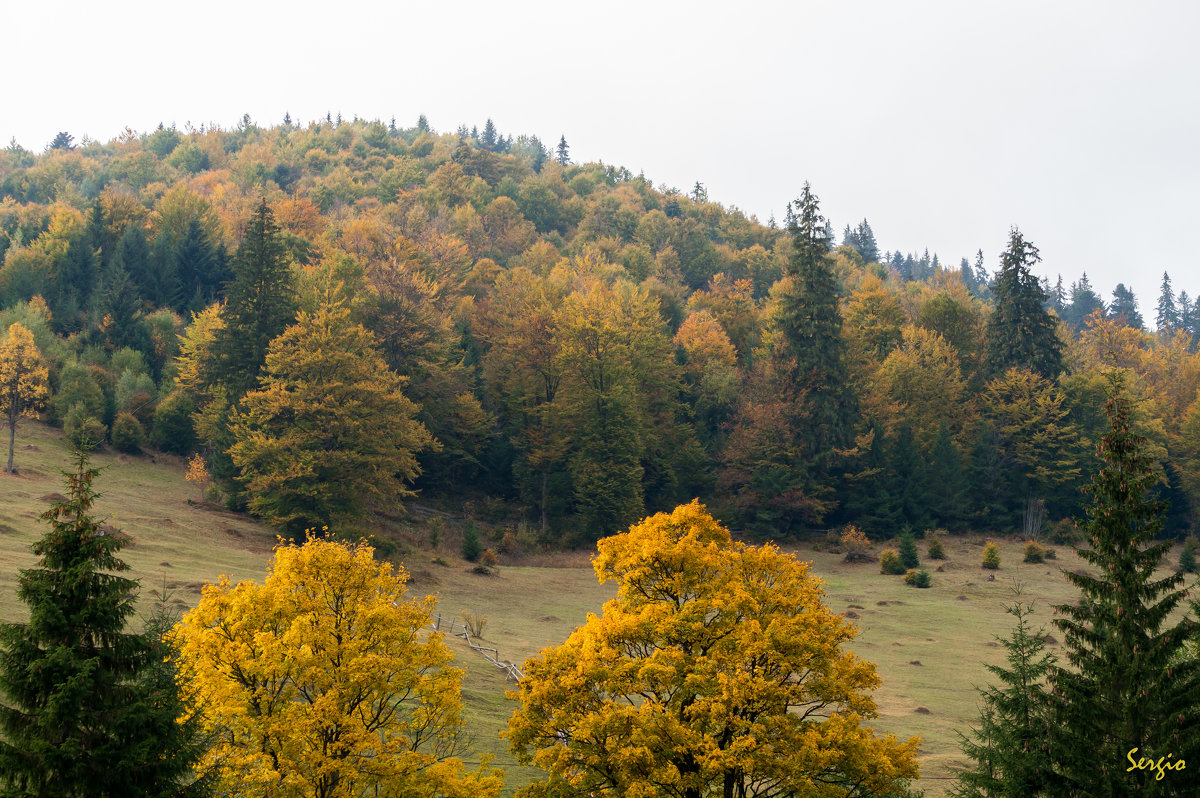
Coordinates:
(326, 680)
(717, 669)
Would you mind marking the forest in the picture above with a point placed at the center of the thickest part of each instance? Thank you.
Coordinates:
(331, 318)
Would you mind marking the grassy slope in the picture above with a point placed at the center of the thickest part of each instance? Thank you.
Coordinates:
(948, 629)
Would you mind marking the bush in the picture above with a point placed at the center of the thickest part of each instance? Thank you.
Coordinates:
(908, 552)
(1034, 552)
(1187, 557)
(173, 430)
(471, 548)
(991, 556)
(889, 562)
(936, 550)
(854, 542)
(84, 431)
(918, 577)
(127, 434)
(474, 622)
(488, 559)
(1064, 532)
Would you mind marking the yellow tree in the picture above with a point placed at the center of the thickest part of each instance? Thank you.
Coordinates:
(329, 429)
(23, 381)
(717, 670)
(919, 383)
(326, 682)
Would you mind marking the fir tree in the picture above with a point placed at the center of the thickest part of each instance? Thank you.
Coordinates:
(908, 482)
(907, 549)
(1124, 307)
(1008, 747)
(810, 345)
(260, 303)
(563, 152)
(88, 712)
(1167, 318)
(1084, 302)
(1185, 311)
(133, 254)
(948, 487)
(196, 269)
(488, 139)
(1020, 331)
(1127, 684)
(62, 141)
(120, 311)
(422, 124)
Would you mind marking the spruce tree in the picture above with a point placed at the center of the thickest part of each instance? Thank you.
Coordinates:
(1020, 331)
(260, 303)
(87, 710)
(1124, 307)
(810, 347)
(120, 310)
(1128, 683)
(563, 152)
(1007, 749)
(1167, 317)
(948, 488)
(196, 269)
(133, 254)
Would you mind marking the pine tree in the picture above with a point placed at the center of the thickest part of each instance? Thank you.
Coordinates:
(563, 153)
(260, 303)
(1127, 684)
(1124, 307)
(1168, 316)
(86, 714)
(1007, 748)
(488, 139)
(1020, 331)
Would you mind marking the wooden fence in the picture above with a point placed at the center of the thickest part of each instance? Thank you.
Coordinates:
(511, 671)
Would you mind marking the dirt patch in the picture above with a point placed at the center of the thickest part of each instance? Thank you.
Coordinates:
(851, 614)
(165, 564)
(29, 447)
(922, 711)
(53, 497)
(992, 644)
(1049, 640)
(886, 603)
(549, 619)
(855, 606)
(961, 598)
(914, 662)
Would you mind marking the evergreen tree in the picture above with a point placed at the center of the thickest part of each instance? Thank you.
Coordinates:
(74, 283)
(260, 303)
(120, 311)
(948, 489)
(907, 549)
(1008, 747)
(196, 269)
(870, 502)
(488, 139)
(1128, 684)
(810, 344)
(1084, 302)
(422, 124)
(1185, 311)
(1058, 297)
(1125, 307)
(981, 276)
(133, 254)
(1168, 316)
(62, 141)
(88, 711)
(563, 153)
(908, 482)
(1021, 332)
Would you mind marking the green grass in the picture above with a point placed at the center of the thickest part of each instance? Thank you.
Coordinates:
(948, 629)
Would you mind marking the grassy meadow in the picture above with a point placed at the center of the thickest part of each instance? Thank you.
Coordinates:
(930, 645)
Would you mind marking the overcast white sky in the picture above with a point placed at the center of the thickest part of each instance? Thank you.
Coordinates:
(942, 122)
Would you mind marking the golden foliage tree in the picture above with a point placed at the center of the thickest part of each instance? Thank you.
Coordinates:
(329, 428)
(717, 670)
(326, 681)
(23, 381)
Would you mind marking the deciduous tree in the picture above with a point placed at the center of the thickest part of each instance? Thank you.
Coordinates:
(717, 670)
(326, 681)
(24, 383)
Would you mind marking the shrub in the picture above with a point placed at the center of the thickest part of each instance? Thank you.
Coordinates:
(854, 542)
(84, 431)
(488, 559)
(918, 577)
(991, 556)
(1064, 532)
(889, 562)
(936, 550)
(474, 622)
(1187, 557)
(471, 548)
(173, 430)
(1034, 552)
(127, 433)
(908, 552)
(436, 524)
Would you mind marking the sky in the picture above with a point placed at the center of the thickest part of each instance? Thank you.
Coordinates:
(943, 123)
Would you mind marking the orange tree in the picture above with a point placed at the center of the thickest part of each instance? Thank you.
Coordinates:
(326, 682)
(717, 670)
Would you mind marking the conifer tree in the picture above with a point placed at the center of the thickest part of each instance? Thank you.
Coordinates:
(1125, 307)
(1168, 315)
(1008, 747)
(1126, 684)
(260, 303)
(563, 152)
(85, 715)
(1020, 331)
(810, 348)
(120, 310)
(948, 487)
(133, 253)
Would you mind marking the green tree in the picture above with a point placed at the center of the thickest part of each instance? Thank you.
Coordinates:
(85, 714)
(121, 311)
(260, 303)
(1124, 307)
(948, 486)
(563, 152)
(1007, 748)
(907, 549)
(329, 431)
(1127, 686)
(1021, 333)
(1167, 318)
